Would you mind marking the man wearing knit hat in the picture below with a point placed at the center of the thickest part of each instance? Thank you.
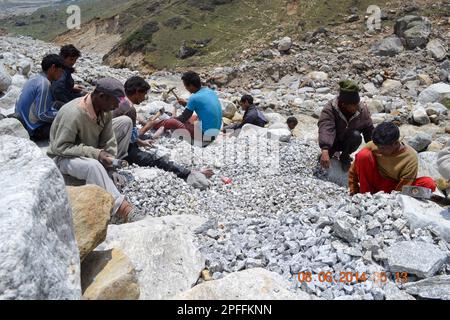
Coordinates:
(341, 124)
(85, 140)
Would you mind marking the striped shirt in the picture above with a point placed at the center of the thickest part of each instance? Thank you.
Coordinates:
(36, 105)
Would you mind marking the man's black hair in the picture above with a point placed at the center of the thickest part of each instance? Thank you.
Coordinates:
(247, 98)
(136, 84)
(192, 78)
(50, 60)
(69, 50)
(385, 134)
(292, 120)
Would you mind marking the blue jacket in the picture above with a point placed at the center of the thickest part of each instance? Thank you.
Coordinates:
(62, 89)
(36, 105)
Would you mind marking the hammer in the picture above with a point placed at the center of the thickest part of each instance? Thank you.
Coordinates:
(158, 114)
(422, 193)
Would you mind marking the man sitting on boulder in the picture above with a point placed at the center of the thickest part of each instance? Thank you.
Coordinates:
(205, 103)
(252, 115)
(341, 124)
(386, 164)
(36, 107)
(82, 140)
(64, 89)
(136, 89)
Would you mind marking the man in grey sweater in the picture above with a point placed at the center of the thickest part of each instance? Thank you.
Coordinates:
(83, 143)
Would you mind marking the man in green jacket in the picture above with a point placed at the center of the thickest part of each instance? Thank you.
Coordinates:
(82, 140)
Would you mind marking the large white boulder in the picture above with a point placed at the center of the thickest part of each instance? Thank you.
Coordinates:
(39, 257)
(162, 251)
(13, 127)
(428, 166)
(435, 93)
(421, 214)
(251, 284)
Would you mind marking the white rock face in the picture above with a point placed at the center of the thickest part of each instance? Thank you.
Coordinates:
(8, 101)
(251, 284)
(162, 251)
(318, 75)
(435, 93)
(422, 214)
(420, 116)
(5, 79)
(419, 258)
(390, 46)
(437, 50)
(13, 127)
(428, 165)
(39, 256)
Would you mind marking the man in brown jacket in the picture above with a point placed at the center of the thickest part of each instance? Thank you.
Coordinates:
(341, 124)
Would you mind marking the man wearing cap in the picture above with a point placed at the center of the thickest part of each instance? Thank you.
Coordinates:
(341, 124)
(82, 140)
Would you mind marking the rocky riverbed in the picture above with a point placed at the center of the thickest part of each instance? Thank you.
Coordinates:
(279, 217)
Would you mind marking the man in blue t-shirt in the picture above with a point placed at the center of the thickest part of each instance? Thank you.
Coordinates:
(205, 103)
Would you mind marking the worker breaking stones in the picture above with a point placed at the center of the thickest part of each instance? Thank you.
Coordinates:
(252, 115)
(136, 89)
(386, 164)
(83, 144)
(341, 124)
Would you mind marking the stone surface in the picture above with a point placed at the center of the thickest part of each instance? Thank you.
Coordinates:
(228, 109)
(432, 288)
(390, 86)
(435, 93)
(39, 257)
(285, 44)
(426, 214)
(390, 46)
(428, 166)
(414, 29)
(437, 50)
(392, 292)
(375, 106)
(420, 141)
(5, 79)
(109, 275)
(420, 116)
(419, 258)
(198, 180)
(92, 207)
(252, 284)
(13, 127)
(162, 251)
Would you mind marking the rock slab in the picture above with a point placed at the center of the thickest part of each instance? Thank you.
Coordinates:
(162, 251)
(419, 258)
(92, 207)
(109, 275)
(432, 288)
(252, 284)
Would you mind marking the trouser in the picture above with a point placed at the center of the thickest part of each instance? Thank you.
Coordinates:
(41, 133)
(93, 172)
(370, 179)
(173, 124)
(123, 128)
(146, 159)
(351, 142)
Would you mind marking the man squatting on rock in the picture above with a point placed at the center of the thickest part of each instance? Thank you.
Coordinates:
(341, 124)
(82, 140)
(386, 164)
(36, 108)
(136, 89)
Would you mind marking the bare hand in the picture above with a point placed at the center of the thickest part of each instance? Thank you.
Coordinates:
(105, 158)
(183, 102)
(145, 143)
(78, 88)
(207, 172)
(325, 161)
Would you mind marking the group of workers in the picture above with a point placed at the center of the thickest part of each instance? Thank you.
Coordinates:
(88, 131)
